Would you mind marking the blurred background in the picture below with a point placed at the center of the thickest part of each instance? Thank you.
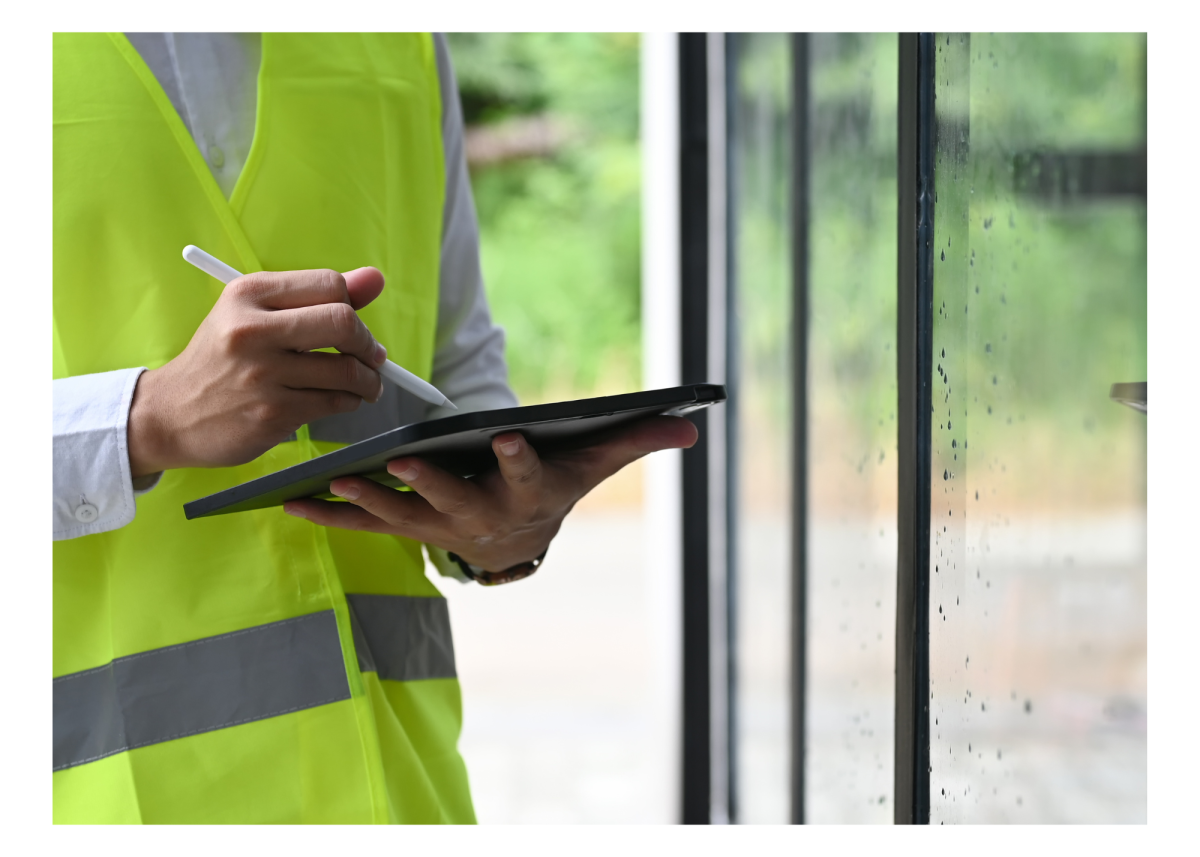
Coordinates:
(1038, 634)
(565, 718)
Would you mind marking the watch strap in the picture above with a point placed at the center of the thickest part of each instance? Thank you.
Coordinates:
(495, 578)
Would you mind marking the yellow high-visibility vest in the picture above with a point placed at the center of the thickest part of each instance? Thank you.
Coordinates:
(248, 667)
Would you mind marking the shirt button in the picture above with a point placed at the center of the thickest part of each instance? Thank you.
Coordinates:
(216, 157)
(86, 513)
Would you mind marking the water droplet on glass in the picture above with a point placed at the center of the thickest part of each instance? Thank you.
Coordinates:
(943, 350)
(949, 424)
(945, 475)
(1028, 706)
(943, 255)
(954, 444)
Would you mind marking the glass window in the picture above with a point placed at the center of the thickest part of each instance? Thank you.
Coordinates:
(851, 427)
(759, 366)
(1038, 590)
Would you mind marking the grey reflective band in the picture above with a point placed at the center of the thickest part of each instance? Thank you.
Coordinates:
(244, 676)
(197, 687)
(402, 638)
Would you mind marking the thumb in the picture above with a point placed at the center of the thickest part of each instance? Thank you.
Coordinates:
(364, 285)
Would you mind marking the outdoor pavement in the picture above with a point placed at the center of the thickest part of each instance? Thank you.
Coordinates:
(567, 694)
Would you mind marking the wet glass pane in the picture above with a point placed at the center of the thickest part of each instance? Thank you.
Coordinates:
(1038, 593)
(852, 427)
(761, 327)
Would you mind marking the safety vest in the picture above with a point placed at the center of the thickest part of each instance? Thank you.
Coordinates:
(248, 667)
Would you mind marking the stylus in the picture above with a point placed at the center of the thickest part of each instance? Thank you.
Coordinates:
(398, 375)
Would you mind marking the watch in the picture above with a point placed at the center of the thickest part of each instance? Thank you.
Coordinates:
(495, 578)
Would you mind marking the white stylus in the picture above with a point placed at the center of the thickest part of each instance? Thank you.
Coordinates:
(398, 375)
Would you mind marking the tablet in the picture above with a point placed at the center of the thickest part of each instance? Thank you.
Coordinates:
(461, 444)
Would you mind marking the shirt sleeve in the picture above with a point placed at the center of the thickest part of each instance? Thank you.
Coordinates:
(468, 360)
(93, 488)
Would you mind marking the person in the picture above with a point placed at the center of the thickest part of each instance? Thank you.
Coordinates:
(270, 666)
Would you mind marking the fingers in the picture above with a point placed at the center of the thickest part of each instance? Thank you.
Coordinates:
(451, 495)
(653, 434)
(363, 285)
(331, 325)
(622, 446)
(303, 406)
(292, 289)
(400, 512)
(519, 465)
(344, 516)
(318, 370)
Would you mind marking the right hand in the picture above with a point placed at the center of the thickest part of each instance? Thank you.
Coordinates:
(249, 377)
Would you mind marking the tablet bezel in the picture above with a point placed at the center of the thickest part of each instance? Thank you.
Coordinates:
(439, 437)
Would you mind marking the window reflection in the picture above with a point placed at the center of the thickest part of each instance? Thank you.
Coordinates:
(1038, 592)
(761, 65)
(852, 427)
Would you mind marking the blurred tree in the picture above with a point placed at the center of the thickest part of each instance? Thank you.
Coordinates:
(552, 125)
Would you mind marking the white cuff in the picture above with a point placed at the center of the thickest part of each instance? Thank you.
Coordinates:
(93, 489)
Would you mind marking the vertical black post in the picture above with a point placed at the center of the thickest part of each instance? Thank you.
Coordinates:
(733, 388)
(696, 789)
(799, 588)
(914, 371)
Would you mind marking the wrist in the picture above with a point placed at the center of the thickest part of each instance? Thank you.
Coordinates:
(148, 438)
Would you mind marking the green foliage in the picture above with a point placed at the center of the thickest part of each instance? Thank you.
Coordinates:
(561, 236)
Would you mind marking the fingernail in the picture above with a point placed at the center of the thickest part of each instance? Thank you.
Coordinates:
(380, 354)
(511, 448)
(349, 492)
(294, 510)
(407, 475)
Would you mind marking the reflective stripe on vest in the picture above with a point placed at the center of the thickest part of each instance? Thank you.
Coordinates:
(346, 169)
(244, 676)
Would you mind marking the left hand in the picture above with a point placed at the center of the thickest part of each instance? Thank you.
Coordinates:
(500, 518)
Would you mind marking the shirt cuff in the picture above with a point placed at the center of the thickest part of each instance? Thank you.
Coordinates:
(93, 487)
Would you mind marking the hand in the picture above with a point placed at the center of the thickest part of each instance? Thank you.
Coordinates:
(248, 378)
(499, 518)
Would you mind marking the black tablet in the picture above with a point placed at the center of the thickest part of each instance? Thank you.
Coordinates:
(461, 444)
